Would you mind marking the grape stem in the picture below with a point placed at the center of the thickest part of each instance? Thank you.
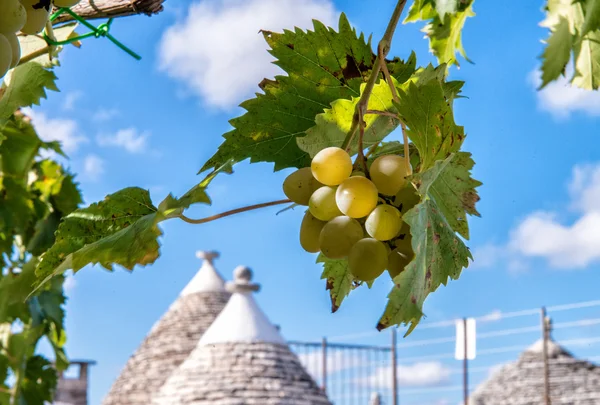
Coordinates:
(388, 79)
(384, 48)
(232, 212)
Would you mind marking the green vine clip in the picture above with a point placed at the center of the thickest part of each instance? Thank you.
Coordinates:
(101, 30)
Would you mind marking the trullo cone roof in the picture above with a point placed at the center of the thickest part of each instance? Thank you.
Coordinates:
(241, 360)
(572, 381)
(172, 338)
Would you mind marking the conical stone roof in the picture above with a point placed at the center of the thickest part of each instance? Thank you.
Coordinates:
(572, 381)
(172, 338)
(241, 360)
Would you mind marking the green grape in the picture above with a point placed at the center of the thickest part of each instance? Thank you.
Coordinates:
(15, 48)
(36, 18)
(310, 229)
(5, 55)
(339, 235)
(356, 197)
(384, 222)
(300, 185)
(368, 258)
(388, 172)
(331, 166)
(65, 3)
(406, 198)
(398, 259)
(322, 204)
(12, 17)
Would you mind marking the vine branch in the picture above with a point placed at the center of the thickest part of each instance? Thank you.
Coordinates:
(384, 45)
(232, 212)
(95, 9)
(388, 79)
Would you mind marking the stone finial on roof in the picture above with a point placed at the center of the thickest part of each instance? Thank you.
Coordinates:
(207, 279)
(242, 281)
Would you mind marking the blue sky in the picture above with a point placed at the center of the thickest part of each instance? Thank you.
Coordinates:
(153, 123)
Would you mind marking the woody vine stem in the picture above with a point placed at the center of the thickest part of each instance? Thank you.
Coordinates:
(357, 121)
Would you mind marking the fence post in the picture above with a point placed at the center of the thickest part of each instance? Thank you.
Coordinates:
(324, 364)
(465, 366)
(545, 356)
(394, 369)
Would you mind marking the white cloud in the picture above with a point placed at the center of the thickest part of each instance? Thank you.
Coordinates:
(69, 283)
(421, 374)
(561, 99)
(66, 131)
(70, 99)
(93, 167)
(486, 256)
(566, 246)
(129, 139)
(217, 50)
(105, 114)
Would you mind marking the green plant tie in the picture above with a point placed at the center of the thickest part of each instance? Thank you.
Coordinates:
(101, 30)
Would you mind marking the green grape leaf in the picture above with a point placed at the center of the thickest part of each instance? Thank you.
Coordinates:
(439, 255)
(43, 237)
(39, 381)
(430, 121)
(557, 53)
(339, 279)
(592, 17)
(449, 182)
(587, 62)
(25, 86)
(122, 229)
(584, 40)
(333, 125)
(322, 66)
(447, 20)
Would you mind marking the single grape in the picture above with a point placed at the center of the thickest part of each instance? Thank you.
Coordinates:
(398, 259)
(5, 55)
(36, 18)
(368, 258)
(15, 47)
(356, 197)
(339, 235)
(406, 198)
(322, 204)
(300, 185)
(65, 3)
(12, 17)
(331, 166)
(388, 172)
(384, 222)
(310, 229)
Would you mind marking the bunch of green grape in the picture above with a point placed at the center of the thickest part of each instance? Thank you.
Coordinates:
(27, 17)
(354, 215)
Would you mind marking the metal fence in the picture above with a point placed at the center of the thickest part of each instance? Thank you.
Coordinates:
(423, 370)
(351, 374)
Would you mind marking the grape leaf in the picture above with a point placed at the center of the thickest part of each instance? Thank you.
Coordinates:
(584, 40)
(450, 184)
(25, 86)
(587, 62)
(439, 255)
(592, 17)
(430, 121)
(339, 279)
(322, 66)
(557, 53)
(333, 125)
(39, 382)
(444, 31)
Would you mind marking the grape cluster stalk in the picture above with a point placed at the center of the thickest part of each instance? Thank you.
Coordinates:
(22, 17)
(356, 215)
